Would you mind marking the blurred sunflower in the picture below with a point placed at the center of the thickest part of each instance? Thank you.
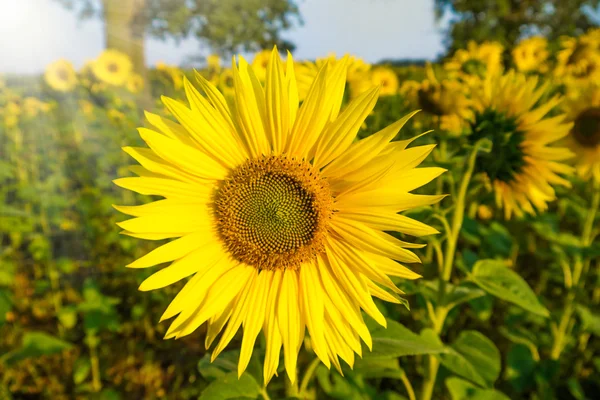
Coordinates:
(280, 215)
(447, 100)
(476, 61)
(173, 72)
(584, 110)
(135, 83)
(225, 82)
(112, 67)
(61, 76)
(522, 165)
(530, 55)
(213, 63)
(260, 63)
(32, 106)
(578, 61)
(379, 76)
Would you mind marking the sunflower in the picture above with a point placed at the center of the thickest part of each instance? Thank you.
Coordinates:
(447, 100)
(60, 76)
(173, 72)
(280, 216)
(306, 71)
(530, 55)
(112, 67)
(584, 110)
(578, 61)
(260, 63)
(225, 82)
(476, 61)
(213, 63)
(522, 165)
(135, 83)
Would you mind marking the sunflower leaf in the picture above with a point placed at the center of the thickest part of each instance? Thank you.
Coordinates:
(229, 386)
(463, 390)
(398, 341)
(500, 281)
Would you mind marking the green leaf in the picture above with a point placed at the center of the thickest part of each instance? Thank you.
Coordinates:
(398, 341)
(481, 355)
(378, 368)
(463, 390)
(520, 367)
(229, 386)
(81, 370)
(590, 322)
(36, 344)
(68, 316)
(5, 305)
(461, 294)
(500, 281)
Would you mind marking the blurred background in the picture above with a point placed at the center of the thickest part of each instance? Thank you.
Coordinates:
(75, 77)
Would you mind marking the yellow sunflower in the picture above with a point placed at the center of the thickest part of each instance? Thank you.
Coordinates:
(578, 61)
(522, 165)
(476, 61)
(213, 62)
(61, 76)
(225, 82)
(135, 83)
(112, 67)
(584, 110)
(280, 216)
(260, 63)
(530, 55)
(306, 71)
(447, 100)
(173, 72)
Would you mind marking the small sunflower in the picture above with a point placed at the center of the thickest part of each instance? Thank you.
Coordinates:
(172, 72)
(476, 61)
(225, 82)
(583, 109)
(530, 55)
(213, 63)
(135, 83)
(260, 63)
(279, 216)
(32, 106)
(112, 67)
(61, 76)
(522, 165)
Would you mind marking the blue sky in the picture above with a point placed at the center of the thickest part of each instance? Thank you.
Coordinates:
(34, 33)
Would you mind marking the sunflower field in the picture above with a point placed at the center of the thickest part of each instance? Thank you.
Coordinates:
(304, 229)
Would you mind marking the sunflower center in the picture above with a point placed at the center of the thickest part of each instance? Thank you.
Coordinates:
(474, 67)
(586, 129)
(62, 74)
(506, 160)
(112, 67)
(272, 212)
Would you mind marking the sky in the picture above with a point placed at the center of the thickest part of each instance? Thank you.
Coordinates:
(34, 33)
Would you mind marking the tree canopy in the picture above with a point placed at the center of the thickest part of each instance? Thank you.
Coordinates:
(506, 21)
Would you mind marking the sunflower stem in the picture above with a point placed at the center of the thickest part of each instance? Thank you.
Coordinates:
(439, 317)
(579, 266)
(407, 385)
(310, 370)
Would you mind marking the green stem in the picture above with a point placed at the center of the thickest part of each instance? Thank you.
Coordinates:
(449, 253)
(308, 375)
(458, 216)
(95, 362)
(409, 389)
(579, 266)
(265, 394)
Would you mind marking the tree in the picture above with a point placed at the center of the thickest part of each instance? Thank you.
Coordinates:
(506, 21)
(224, 26)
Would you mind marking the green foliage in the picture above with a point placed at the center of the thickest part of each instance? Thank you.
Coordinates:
(506, 21)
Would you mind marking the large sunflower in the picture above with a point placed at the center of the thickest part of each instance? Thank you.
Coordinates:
(112, 67)
(522, 165)
(61, 76)
(280, 216)
(583, 108)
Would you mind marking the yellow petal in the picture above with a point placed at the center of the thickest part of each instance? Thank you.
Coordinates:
(291, 326)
